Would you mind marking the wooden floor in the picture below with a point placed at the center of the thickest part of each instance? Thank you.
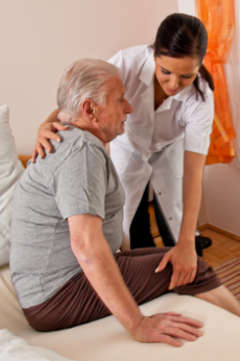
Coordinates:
(222, 249)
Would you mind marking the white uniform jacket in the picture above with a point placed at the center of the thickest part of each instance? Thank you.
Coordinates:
(154, 141)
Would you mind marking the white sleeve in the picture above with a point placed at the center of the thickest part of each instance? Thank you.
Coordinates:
(118, 61)
(198, 117)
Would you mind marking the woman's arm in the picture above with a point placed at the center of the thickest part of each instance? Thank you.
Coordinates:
(183, 256)
(192, 194)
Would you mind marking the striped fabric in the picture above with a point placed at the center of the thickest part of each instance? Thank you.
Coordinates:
(229, 274)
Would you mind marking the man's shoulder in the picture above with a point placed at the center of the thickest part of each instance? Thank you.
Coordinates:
(78, 138)
(88, 147)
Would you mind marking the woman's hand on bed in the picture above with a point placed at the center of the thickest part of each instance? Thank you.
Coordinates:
(170, 328)
(47, 131)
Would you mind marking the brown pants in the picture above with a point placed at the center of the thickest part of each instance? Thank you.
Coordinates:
(77, 302)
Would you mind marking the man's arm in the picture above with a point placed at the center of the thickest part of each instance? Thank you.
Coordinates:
(95, 257)
(98, 264)
(183, 256)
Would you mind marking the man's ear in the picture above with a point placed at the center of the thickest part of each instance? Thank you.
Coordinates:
(88, 109)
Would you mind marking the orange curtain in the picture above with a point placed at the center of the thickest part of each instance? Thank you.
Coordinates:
(218, 18)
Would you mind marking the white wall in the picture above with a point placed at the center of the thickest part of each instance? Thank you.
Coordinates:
(187, 7)
(222, 196)
(222, 181)
(39, 38)
(221, 185)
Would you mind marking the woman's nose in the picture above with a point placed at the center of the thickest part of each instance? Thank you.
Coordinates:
(174, 82)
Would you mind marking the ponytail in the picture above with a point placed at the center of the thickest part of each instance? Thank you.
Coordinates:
(206, 76)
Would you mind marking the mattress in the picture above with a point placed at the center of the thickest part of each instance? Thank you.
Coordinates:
(106, 340)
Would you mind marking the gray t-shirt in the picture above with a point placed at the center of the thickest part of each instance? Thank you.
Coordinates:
(78, 178)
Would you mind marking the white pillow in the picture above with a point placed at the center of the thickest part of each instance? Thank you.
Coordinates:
(13, 348)
(10, 171)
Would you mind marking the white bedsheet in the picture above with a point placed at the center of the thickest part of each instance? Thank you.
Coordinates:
(106, 340)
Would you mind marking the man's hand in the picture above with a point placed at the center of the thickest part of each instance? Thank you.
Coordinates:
(170, 328)
(184, 263)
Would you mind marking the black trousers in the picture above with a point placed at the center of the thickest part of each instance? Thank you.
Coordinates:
(140, 234)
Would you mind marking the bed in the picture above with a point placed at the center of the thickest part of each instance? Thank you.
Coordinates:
(105, 339)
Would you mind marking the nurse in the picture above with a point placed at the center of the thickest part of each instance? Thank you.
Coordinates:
(166, 138)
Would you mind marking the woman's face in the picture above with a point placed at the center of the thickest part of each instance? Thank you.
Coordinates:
(175, 74)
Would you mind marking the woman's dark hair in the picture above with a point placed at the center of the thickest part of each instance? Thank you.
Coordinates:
(181, 35)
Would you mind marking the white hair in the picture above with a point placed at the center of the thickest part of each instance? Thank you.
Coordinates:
(84, 79)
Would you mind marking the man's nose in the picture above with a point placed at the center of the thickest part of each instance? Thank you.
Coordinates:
(128, 108)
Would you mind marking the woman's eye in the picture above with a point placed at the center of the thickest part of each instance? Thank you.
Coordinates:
(187, 76)
(166, 72)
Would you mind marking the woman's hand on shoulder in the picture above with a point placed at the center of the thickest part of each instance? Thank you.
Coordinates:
(46, 132)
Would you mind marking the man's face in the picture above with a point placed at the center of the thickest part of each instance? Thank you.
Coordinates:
(113, 113)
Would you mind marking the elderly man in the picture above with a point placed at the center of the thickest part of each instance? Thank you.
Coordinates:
(67, 226)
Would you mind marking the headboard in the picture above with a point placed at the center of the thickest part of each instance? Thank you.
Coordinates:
(24, 159)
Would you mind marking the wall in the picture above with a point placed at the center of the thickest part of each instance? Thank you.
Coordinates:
(221, 184)
(222, 196)
(39, 38)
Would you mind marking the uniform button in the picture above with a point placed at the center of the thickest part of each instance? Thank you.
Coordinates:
(159, 193)
(170, 218)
